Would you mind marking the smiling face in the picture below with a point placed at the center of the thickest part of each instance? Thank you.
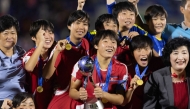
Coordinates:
(110, 25)
(126, 19)
(8, 38)
(26, 104)
(186, 11)
(106, 47)
(142, 56)
(179, 58)
(49, 39)
(78, 28)
(157, 24)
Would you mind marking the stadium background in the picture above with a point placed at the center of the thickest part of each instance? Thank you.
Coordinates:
(57, 11)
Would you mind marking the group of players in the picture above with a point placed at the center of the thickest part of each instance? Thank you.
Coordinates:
(125, 57)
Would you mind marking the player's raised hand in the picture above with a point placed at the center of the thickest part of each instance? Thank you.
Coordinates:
(80, 4)
(61, 44)
(40, 36)
(133, 83)
(132, 34)
(135, 2)
(109, 2)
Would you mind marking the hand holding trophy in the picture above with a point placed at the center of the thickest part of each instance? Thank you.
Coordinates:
(86, 65)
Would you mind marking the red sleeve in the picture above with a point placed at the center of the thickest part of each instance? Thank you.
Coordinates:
(58, 60)
(123, 75)
(27, 56)
(79, 75)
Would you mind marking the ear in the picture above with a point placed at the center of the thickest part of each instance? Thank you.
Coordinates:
(34, 39)
(182, 9)
(96, 47)
(69, 27)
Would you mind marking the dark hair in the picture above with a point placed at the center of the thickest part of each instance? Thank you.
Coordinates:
(78, 15)
(8, 21)
(183, 3)
(105, 18)
(173, 45)
(153, 11)
(124, 5)
(140, 41)
(103, 34)
(36, 25)
(18, 98)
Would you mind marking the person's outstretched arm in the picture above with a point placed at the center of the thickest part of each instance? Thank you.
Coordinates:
(49, 68)
(80, 4)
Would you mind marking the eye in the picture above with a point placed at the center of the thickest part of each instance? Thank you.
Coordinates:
(86, 24)
(77, 23)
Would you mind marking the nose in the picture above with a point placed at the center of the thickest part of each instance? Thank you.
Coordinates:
(143, 52)
(180, 56)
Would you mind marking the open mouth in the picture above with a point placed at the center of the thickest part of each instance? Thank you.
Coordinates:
(109, 50)
(127, 22)
(180, 62)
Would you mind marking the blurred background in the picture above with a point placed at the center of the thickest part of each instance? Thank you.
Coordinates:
(57, 12)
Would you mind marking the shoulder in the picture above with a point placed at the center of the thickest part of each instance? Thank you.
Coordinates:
(119, 65)
(20, 50)
(162, 72)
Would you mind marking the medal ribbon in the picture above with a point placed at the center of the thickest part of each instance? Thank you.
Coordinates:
(158, 45)
(106, 85)
(138, 71)
(87, 46)
(40, 79)
(68, 38)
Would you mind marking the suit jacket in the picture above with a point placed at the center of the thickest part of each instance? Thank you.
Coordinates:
(158, 90)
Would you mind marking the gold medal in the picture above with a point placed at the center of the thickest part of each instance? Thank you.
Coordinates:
(104, 100)
(68, 46)
(39, 89)
(140, 82)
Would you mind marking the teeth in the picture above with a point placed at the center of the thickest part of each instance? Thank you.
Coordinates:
(127, 22)
(47, 41)
(109, 50)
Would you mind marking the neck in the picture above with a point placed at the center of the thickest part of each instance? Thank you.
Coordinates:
(7, 51)
(141, 68)
(179, 73)
(103, 62)
(187, 23)
(44, 53)
(75, 40)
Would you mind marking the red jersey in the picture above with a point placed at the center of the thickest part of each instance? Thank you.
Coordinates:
(137, 97)
(119, 72)
(123, 54)
(42, 99)
(62, 76)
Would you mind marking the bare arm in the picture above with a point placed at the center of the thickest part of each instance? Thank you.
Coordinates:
(76, 92)
(80, 4)
(109, 2)
(129, 93)
(116, 99)
(31, 63)
(139, 21)
(49, 68)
